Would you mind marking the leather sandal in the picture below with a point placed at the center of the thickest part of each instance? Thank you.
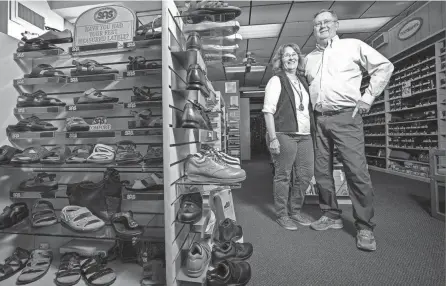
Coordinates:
(80, 219)
(14, 263)
(30, 155)
(37, 99)
(56, 155)
(6, 154)
(76, 124)
(37, 45)
(32, 123)
(90, 67)
(126, 153)
(144, 94)
(154, 155)
(43, 214)
(13, 214)
(42, 182)
(44, 70)
(69, 272)
(102, 154)
(95, 273)
(125, 226)
(94, 96)
(140, 63)
(36, 267)
(80, 154)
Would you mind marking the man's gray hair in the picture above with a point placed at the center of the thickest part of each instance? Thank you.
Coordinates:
(333, 13)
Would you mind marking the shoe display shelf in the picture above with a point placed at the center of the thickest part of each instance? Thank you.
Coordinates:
(147, 206)
(413, 124)
(180, 143)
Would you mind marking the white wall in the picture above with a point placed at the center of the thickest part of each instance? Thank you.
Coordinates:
(42, 8)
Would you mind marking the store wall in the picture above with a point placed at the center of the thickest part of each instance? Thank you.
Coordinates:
(4, 17)
(245, 129)
(434, 20)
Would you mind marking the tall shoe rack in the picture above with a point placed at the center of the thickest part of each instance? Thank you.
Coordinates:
(178, 143)
(412, 115)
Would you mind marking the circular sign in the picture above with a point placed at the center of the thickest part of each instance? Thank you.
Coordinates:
(105, 15)
(410, 28)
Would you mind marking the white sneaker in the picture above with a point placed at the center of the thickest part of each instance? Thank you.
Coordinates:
(219, 48)
(208, 28)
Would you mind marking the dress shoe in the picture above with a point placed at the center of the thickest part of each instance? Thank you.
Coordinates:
(194, 117)
(196, 77)
(228, 273)
(207, 169)
(193, 42)
(228, 230)
(198, 258)
(230, 250)
(190, 208)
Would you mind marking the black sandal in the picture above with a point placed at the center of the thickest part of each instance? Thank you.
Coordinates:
(125, 226)
(15, 263)
(93, 269)
(13, 214)
(69, 272)
(144, 94)
(44, 70)
(43, 214)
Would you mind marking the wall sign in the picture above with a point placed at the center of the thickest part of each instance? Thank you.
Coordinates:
(230, 87)
(106, 24)
(410, 28)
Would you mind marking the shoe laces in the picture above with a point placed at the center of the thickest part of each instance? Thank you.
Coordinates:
(366, 233)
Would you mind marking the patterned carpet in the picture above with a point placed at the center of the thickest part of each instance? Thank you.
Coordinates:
(411, 244)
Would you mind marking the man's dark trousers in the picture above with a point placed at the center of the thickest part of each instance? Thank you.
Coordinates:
(340, 129)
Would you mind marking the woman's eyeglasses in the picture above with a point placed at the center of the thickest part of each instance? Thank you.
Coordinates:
(287, 56)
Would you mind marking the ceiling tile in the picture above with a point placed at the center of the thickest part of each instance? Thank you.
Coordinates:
(253, 78)
(305, 11)
(243, 19)
(269, 14)
(300, 41)
(359, 36)
(262, 47)
(307, 49)
(386, 8)
(350, 9)
(311, 43)
(261, 3)
(297, 29)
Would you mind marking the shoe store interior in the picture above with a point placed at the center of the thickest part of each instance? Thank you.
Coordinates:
(137, 145)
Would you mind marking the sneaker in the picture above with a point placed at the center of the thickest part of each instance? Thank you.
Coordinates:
(325, 223)
(287, 223)
(365, 240)
(207, 170)
(302, 219)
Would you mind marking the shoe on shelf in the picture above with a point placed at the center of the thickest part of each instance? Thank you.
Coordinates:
(229, 230)
(211, 10)
(190, 211)
(365, 240)
(53, 36)
(223, 40)
(324, 223)
(207, 28)
(207, 169)
(151, 30)
(198, 258)
(220, 48)
(196, 77)
(232, 161)
(230, 250)
(193, 42)
(229, 273)
(302, 219)
(193, 117)
(287, 223)
(219, 57)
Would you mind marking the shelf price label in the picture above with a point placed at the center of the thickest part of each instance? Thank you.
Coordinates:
(21, 110)
(20, 55)
(130, 44)
(72, 108)
(75, 49)
(15, 135)
(72, 135)
(131, 105)
(20, 81)
(16, 195)
(128, 133)
(131, 197)
(131, 73)
(74, 79)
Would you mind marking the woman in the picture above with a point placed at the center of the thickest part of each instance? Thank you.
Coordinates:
(289, 124)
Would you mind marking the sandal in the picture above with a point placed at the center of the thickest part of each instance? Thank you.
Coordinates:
(154, 155)
(126, 153)
(205, 10)
(102, 154)
(37, 45)
(148, 31)
(14, 263)
(90, 67)
(44, 70)
(96, 274)
(125, 226)
(94, 96)
(6, 154)
(37, 99)
(69, 272)
(13, 214)
(80, 154)
(76, 124)
(56, 155)
(80, 219)
(32, 123)
(42, 182)
(53, 36)
(140, 63)
(43, 214)
(144, 94)
(146, 184)
(30, 155)
(36, 267)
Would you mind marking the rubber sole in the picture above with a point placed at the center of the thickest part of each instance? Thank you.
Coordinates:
(328, 227)
(35, 279)
(210, 180)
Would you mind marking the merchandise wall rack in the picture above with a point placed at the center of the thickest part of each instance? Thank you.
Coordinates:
(399, 138)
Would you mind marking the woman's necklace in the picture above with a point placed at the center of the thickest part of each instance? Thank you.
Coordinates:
(295, 82)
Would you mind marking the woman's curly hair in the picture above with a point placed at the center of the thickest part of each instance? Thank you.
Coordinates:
(277, 59)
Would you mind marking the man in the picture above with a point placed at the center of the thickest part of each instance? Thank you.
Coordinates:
(333, 71)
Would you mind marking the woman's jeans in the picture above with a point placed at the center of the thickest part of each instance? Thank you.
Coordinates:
(296, 158)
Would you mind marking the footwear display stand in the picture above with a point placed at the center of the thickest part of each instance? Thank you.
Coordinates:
(410, 118)
(147, 207)
(179, 143)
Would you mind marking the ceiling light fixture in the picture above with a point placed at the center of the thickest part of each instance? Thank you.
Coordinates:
(254, 91)
(362, 25)
(240, 69)
(260, 31)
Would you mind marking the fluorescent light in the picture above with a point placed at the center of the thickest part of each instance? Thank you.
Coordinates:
(260, 31)
(258, 68)
(254, 91)
(243, 69)
(362, 25)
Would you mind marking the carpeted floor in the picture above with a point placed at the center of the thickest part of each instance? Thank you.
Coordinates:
(411, 244)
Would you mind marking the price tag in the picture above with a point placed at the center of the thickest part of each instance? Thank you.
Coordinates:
(128, 133)
(210, 135)
(75, 49)
(131, 197)
(21, 110)
(16, 195)
(72, 135)
(20, 81)
(20, 55)
(44, 245)
(100, 127)
(131, 44)
(73, 79)
(131, 73)
(15, 135)
(131, 105)
(72, 108)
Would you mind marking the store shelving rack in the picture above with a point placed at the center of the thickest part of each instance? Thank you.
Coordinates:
(423, 64)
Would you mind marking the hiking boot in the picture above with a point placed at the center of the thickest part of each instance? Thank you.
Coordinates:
(230, 250)
(229, 230)
(228, 273)
(302, 219)
(287, 223)
(365, 240)
(325, 223)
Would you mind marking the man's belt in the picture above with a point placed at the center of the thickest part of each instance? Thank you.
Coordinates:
(334, 112)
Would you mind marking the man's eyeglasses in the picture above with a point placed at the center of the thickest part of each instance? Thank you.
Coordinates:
(287, 56)
(326, 23)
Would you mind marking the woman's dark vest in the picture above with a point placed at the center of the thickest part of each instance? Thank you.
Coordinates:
(285, 116)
